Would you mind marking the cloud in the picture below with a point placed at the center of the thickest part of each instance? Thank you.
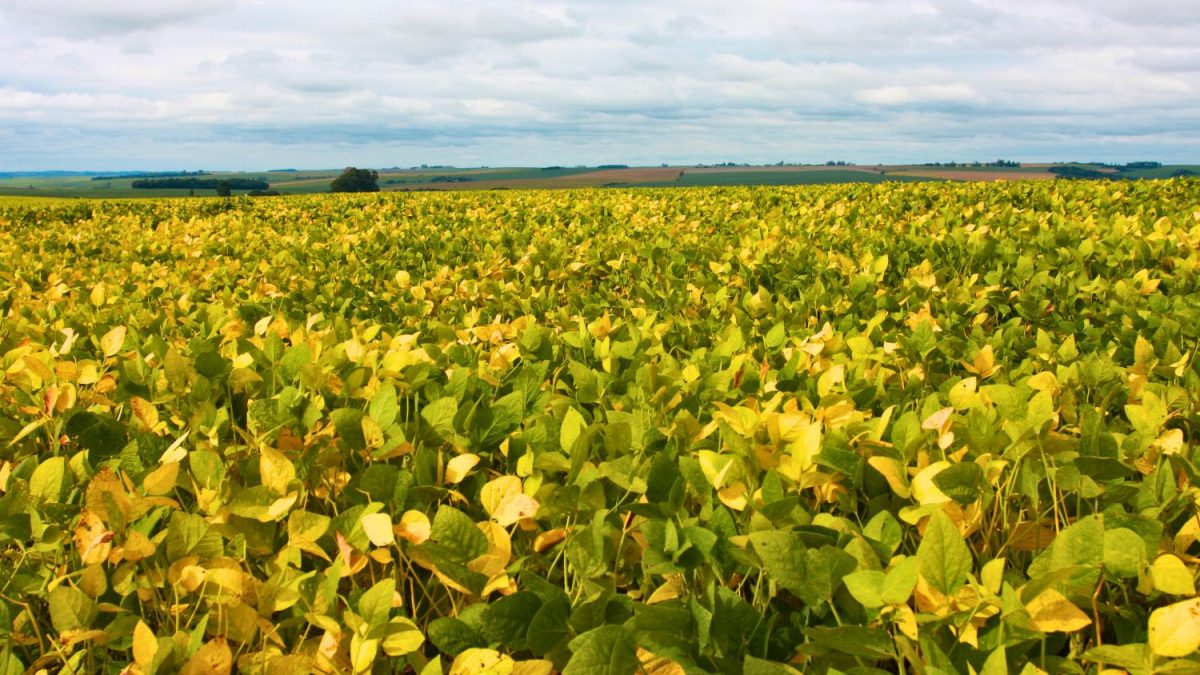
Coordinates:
(261, 83)
(86, 18)
(924, 93)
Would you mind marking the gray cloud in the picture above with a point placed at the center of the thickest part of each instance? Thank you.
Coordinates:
(262, 83)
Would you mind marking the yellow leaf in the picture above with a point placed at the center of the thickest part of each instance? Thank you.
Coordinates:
(111, 342)
(414, 526)
(549, 538)
(92, 539)
(175, 452)
(476, 661)
(276, 470)
(497, 490)
(161, 481)
(533, 667)
(1052, 612)
(214, 658)
(1175, 629)
(515, 507)
(923, 488)
(372, 433)
(1171, 576)
(458, 467)
(673, 588)
(1043, 381)
(191, 577)
(378, 527)
(145, 645)
(893, 471)
(938, 421)
(906, 620)
(145, 412)
(715, 467)
(493, 563)
(137, 546)
(734, 496)
(653, 664)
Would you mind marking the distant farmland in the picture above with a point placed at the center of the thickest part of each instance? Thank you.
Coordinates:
(562, 177)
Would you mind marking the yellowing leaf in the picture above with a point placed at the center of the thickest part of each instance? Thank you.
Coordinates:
(137, 546)
(161, 481)
(1052, 612)
(111, 342)
(276, 470)
(476, 661)
(497, 490)
(145, 645)
(923, 488)
(214, 658)
(533, 667)
(514, 508)
(894, 472)
(459, 467)
(504, 500)
(1175, 629)
(378, 527)
(716, 467)
(734, 496)
(92, 538)
(414, 526)
(145, 413)
(372, 433)
(549, 538)
(1171, 576)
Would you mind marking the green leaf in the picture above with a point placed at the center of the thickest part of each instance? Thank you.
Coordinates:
(900, 581)
(452, 636)
(572, 426)
(189, 534)
(101, 435)
(1124, 553)
(944, 557)
(440, 414)
(548, 627)
(49, 480)
(375, 604)
(71, 609)
(384, 406)
(507, 620)
(812, 574)
(10, 664)
(867, 587)
(1080, 544)
(458, 534)
(872, 643)
(753, 665)
(348, 424)
(401, 637)
(960, 482)
(607, 650)
(996, 663)
(1131, 657)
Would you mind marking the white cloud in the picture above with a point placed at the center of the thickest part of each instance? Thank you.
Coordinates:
(172, 83)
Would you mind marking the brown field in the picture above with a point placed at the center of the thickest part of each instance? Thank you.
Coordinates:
(777, 169)
(951, 174)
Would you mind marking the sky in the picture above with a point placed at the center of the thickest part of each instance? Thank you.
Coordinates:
(262, 84)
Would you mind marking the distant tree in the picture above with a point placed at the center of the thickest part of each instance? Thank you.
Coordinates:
(224, 188)
(356, 180)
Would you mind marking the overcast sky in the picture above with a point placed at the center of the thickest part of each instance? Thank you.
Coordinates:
(259, 84)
